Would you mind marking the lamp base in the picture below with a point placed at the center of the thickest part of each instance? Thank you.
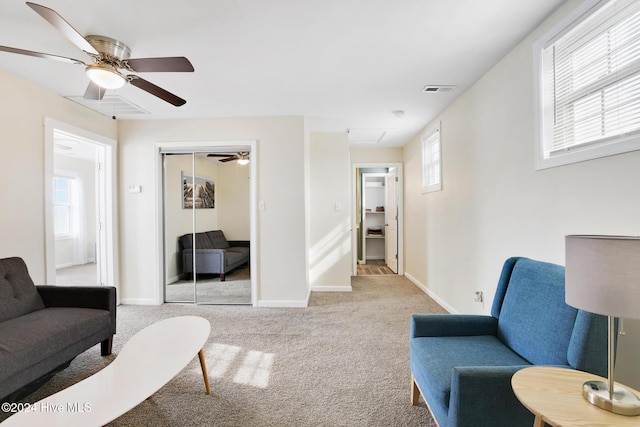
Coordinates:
(624, 402)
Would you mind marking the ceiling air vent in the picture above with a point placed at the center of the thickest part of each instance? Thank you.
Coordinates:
(438, 88)
(110, 105)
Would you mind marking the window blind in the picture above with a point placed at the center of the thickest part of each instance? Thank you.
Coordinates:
(431, 159)
(593, 77)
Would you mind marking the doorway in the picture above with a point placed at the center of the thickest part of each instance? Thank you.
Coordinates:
(378, 219)
(80, 220)
(206, 191)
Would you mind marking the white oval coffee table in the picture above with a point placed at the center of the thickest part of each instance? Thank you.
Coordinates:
(149, 360)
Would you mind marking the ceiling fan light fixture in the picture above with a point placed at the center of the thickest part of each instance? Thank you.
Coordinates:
(243, 158)
(105, 76)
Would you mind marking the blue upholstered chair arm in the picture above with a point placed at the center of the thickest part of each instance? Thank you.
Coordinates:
(479, 393)
(446, 325)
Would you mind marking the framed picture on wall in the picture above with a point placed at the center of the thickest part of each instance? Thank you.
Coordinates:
(197, 192)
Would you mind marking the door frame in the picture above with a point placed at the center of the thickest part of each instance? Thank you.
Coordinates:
(203, 146)
(400, 196)
(388, 219)
(109, 206)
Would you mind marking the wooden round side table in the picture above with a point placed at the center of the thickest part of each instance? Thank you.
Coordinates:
(554, 395)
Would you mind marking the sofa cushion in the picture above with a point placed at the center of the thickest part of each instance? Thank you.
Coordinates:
(35, 336)
(18, 295)
(429, 367)
(217, 239)
(242, 250)
(202, 241)
(233, 258)
(534, 321)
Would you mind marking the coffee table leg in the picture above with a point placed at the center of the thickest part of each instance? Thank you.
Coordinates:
(203, 365)
(537, 422)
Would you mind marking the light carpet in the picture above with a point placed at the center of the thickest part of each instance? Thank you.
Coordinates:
(343, 361)
(236, 289)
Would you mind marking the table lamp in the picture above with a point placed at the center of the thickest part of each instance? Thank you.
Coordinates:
(602, 275)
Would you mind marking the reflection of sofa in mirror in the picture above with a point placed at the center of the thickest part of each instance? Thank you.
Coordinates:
(214, 253)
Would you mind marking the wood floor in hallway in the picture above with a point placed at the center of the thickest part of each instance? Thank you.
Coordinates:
(373, 268)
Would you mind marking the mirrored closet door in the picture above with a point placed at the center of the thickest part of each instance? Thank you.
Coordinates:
(206, 228)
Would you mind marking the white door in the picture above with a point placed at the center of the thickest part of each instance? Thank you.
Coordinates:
(102, 240)
(391, 220)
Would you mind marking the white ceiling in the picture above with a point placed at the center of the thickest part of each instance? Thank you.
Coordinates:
(344, 64)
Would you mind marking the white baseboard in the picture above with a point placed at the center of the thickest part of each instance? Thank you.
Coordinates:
(72, 264)
(329, 288)
(282, 304)
(138, 301)
(173, 279)
(431, 294)
(65, 265)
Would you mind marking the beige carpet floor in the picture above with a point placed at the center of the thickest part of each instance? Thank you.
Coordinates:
(343, 361)
(236, 289)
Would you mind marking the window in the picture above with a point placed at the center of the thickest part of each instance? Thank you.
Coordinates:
(62, 205)
(431, 161)
(589, 84)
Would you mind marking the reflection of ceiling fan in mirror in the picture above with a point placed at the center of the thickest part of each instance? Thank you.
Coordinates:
(242, 157)
(109, 56)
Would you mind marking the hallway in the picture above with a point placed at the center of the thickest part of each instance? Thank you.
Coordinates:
(374, 267)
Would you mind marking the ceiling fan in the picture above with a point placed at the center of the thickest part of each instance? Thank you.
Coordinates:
(242, 157)
(109, 56)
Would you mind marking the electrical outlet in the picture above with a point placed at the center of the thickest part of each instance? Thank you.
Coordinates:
(479, 296)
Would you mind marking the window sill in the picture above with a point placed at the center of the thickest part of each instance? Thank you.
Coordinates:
(578, 154)
(432, 188)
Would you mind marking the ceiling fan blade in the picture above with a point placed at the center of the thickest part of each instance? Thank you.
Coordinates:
(228, 159)
(59, 23)
(40, 55)
(219, 155)
(156, 91)
(168, 64)
(94, 91)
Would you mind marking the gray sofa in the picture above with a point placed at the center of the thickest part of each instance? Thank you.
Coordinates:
(43, 328)
(214, 253)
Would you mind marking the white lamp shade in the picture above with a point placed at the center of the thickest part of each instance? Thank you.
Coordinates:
(104, 76)
(602, 274)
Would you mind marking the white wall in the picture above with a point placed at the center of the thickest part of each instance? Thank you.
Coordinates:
(376, 154)
(330, 222)
(22, 114)
(281, 276)
(232, 200)
(495, 205)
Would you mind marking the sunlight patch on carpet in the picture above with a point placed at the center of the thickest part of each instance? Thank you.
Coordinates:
(220, 357)
(255, 370)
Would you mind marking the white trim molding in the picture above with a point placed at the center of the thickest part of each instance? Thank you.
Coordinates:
(431, 294)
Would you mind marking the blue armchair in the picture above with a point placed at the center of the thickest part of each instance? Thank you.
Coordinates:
(462, 364)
